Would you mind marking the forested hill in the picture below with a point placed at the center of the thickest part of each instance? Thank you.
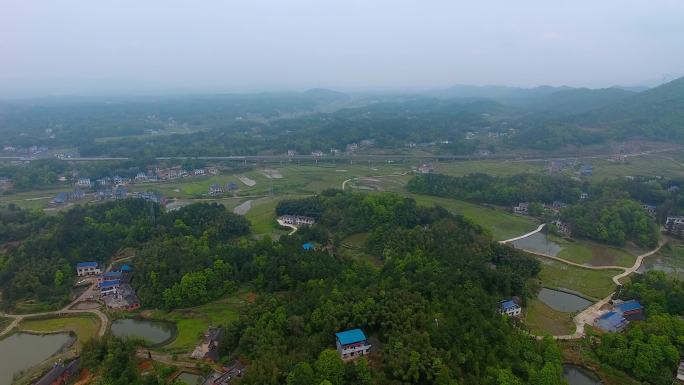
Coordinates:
(428, 299)
(657, 113)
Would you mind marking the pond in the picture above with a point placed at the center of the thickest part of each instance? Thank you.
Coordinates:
(190, 378)
(154, 332)
(538, 243)
(577, 375)
(562, 301)
(668, 265)
(21, 351)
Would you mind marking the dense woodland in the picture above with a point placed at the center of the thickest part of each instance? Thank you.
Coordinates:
(41, 264)
(431, 307)
(543, 118)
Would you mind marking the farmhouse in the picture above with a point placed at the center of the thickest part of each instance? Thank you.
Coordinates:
(510, 308)
(522, 208)
(231, 186)
(675, 226)
(352, 344)
(87, 268)
(562, 228)
(649, 209)
(124, 298)
(611, 322)
(83, 182)
(296, 220)
(208, 347)
(215, 189)
(109, 287)
(586, 170)
(631, 310)
(60, 373)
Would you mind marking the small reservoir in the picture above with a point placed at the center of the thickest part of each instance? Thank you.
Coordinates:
(154, 332)
(21, 351)
(577, 375)
(538, 243)
(562, 301)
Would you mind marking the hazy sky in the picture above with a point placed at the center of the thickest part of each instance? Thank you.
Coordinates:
(76, 46)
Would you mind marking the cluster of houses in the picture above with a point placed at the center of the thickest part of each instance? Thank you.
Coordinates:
(621, 314)
(114, 285)
(561, 165)
(217, 189)
(523, 208)
(64, 197)
(675, 226)
(32, 150)
(156, 175)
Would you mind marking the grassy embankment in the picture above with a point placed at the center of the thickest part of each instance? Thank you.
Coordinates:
(83, 325)
(593, 253)
(595, 284)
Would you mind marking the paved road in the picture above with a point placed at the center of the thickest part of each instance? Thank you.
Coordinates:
(525, 235)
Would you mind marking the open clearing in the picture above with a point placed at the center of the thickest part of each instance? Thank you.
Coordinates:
(541, 319)
(592, 283)
(193, 322)
(272, 173)
(85, 326)
(249, 182)
(243, 208)
(593, 254)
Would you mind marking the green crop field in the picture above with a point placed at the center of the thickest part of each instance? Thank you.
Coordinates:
(501, 223)
(85, 326)
(492, 167)
(592, 283)
(541, 319)
(593, 253)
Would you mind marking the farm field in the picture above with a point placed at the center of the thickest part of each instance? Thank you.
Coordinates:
(541, 319)
(192, 323)
(501, 223)
(592, 283)
(593, 253)
(492, 167)
(664, 164)
(85, 326)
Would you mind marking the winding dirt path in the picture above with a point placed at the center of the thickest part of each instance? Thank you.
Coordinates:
(17, 318)
(344, 183)
(588, 315)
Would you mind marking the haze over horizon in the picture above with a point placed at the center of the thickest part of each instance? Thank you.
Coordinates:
(80, 47)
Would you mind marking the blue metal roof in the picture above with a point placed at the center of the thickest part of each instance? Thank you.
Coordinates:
(111, 274)
(613, 318)
(630, 305)
(86, 264)
(350, 336)
(510, 304)
(308, 246)
(126, 267)
(107, 284)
